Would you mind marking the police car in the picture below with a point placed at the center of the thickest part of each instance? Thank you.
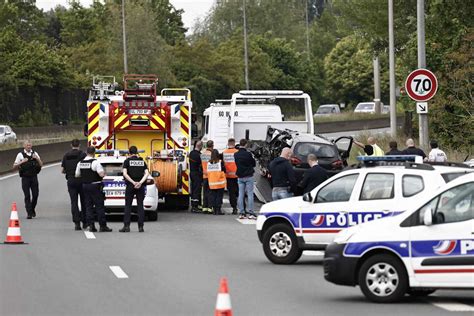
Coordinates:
(114, 187)
(287, 227)
(429, 247)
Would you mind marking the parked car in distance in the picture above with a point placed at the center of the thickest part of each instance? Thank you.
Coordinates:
(369, 107)
(7, 135)
(328, 109)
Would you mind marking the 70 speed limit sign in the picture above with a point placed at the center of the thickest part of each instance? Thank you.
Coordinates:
(421, 85)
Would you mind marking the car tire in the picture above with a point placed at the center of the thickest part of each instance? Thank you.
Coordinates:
(420, 292)
(152, 216)
(280, 244)
(383, 278)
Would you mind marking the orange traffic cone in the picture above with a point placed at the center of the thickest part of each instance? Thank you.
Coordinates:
(223, 306)
(14, 233)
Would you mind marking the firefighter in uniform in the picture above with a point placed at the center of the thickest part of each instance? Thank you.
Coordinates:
(217, 181)
(29, 165)
(195, 167)
(205, 157)
(74, 185)
(135, 173)
(91, 172)
(230, 173)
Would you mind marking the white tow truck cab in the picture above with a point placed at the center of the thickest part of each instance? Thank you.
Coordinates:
(430, 246)
(249, 113)
(114, 185)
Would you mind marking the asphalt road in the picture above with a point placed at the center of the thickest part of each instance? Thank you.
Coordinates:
(172, 269)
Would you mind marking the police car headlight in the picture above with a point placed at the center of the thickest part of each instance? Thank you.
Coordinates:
(344, 235)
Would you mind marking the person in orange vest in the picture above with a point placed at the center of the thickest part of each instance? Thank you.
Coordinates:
(205, 157)
(230, 173)
(217, 180)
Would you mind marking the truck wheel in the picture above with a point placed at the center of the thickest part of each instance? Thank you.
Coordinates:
(152, 216)
(420, 292)
(280, 244)
(383, 279)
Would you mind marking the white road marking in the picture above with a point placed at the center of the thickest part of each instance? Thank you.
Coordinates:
(451, 306)
(89, 235)
(246, 221)
(224, 201)
(313, 253)
(16, 174)
(119, 273)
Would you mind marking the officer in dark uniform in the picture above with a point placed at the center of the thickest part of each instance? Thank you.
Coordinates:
(135, 172)
(196, 176)
(74, 185)
(92, 172)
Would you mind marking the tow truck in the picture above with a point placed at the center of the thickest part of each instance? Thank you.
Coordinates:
(158, 124)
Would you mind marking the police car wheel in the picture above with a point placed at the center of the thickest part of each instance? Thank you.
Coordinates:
(383, 279)
(280, 244)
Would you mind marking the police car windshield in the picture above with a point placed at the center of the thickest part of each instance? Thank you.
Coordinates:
(324, 110)
(302, 150)
(451, 176)
(365, 106)
(113, 169)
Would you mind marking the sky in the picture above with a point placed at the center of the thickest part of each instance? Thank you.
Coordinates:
(193, 9)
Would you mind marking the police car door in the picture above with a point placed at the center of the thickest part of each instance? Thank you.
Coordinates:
(442, 252)
(327, 214)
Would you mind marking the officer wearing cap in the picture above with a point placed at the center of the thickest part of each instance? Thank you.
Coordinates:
(135, 172)
(74, 185)
(91, 172)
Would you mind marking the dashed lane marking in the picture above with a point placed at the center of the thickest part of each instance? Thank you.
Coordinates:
(16, 174)
(246, 221)
(119, 273)
(313, 253)
(89, 235)
(450, 306)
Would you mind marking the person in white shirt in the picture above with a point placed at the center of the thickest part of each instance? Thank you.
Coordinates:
(436, 154)
(29, 164)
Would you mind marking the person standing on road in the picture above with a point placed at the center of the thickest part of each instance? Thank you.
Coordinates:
(91, 172)
(412, 150)
(283, 176)
(372, 149)
(135, 173)
(217, 181)
(195, 167)
(74, 185)
(314, 176)
(29, 164)
(436, 154)
(245, 169)
(230, 173)
(205, 157)
(393, 149)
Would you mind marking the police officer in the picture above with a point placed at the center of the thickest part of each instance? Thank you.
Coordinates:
(74, 185)
(135, 172)
(230, 173)
(29, 165)
(195, 167)
(91, 172)
(205, 157)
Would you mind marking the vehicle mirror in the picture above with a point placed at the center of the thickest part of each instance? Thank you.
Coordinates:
(428, 217)
(7, 133)
(155, 174)
(307, 197)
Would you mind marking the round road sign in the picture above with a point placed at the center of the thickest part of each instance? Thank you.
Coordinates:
(421, 85)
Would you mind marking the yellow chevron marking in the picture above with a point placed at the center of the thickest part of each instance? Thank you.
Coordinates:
(119, 120)
(183, 121)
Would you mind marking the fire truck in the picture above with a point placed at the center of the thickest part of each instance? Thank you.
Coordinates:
(160, 125)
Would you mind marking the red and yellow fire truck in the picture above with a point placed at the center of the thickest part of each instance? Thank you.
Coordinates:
(158, 124)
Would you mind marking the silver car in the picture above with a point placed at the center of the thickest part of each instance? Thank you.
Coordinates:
(7, 135)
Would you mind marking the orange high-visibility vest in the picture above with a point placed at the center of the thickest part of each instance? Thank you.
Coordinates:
(205, 157)
(216, 176)
(229, 162)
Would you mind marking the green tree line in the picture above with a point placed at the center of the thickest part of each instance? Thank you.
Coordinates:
(63, 48)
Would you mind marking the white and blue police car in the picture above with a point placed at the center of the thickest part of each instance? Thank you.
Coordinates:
(379, 187)
(428, 247)
(114, 186)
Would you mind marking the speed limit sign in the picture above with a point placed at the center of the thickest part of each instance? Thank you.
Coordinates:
(421, 85)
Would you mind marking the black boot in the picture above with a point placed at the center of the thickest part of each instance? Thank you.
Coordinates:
(105, 229)
(140, 229)
(77, 226)
(125, 229)
(92, 228)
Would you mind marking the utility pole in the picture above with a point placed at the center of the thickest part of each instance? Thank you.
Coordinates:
(307, 30)
(124, 39)
(420, 17)
(377, 85)
(246, 56)
(391, 53)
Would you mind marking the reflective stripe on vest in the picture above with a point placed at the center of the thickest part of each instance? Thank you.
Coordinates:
(229, 162)
(216, 176)
(205, 157)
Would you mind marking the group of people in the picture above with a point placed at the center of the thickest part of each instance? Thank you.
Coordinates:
(372, 149)
(212, 172)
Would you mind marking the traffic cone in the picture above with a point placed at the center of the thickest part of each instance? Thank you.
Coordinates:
(223, 306)
(14, 233)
